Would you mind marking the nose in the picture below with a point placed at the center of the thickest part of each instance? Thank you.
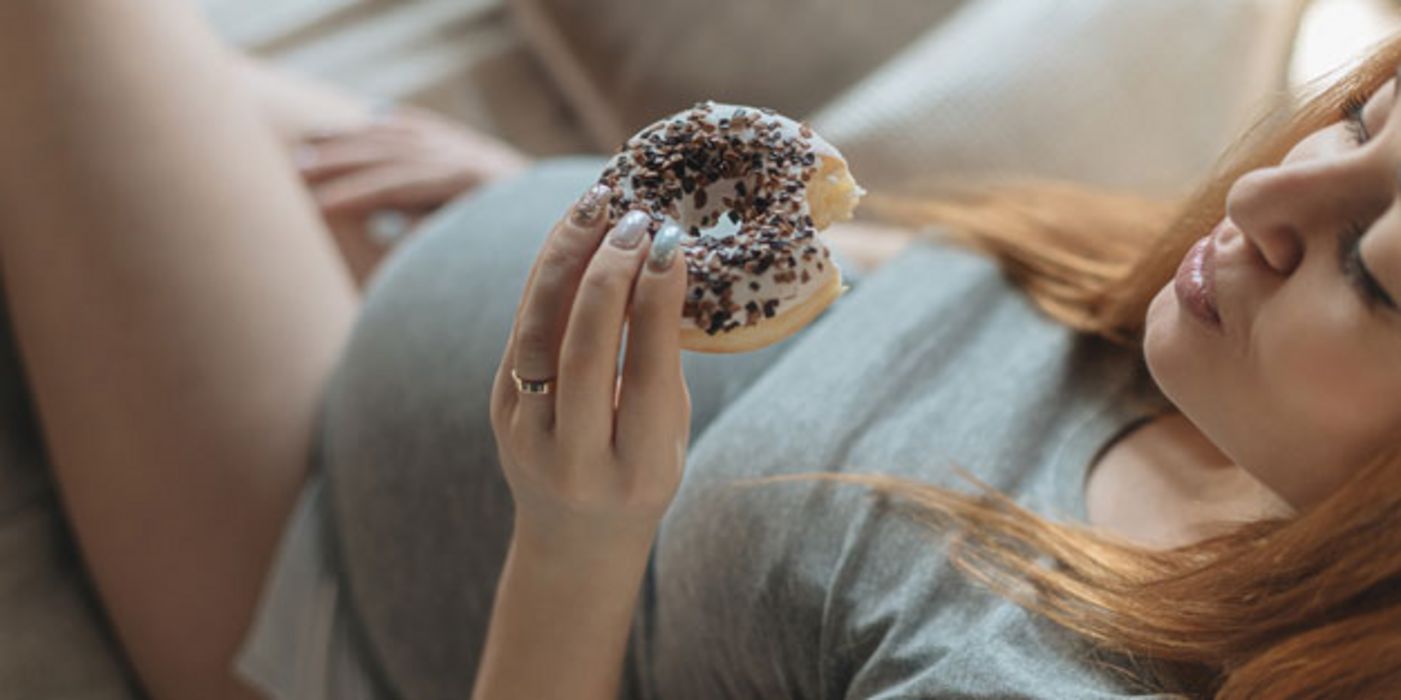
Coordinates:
(1263, 204)
(1281, 210)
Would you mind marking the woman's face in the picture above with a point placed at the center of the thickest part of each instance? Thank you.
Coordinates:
(1299, 382)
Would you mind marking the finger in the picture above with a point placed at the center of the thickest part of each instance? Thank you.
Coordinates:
(401, 125)
(648, 405)
(317, 163)
(374, 125)
(503, 388)
(410, 118)
(389, 187)
(589, 354)
(534, 349)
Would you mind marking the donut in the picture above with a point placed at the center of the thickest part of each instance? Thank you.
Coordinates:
(750, 188)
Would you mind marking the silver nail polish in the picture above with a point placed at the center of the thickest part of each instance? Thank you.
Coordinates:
(629, 232)
(664, 246)
(588, 209)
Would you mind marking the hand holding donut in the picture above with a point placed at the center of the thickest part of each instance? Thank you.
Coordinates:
(592, 457)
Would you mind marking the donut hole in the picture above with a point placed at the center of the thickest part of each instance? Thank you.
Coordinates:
(725, 227)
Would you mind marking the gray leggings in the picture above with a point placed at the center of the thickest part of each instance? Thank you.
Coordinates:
(419, 516)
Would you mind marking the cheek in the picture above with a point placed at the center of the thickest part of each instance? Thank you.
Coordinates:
(1321, 372)
(1309, 393)
(1303, 375)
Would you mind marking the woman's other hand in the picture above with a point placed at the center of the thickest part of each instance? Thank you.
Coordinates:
(594, 463)
(408, 159)
(374, 179)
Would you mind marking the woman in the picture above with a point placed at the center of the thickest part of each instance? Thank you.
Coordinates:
(209, 314)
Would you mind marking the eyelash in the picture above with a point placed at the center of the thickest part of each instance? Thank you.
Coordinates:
(1350, 260)
(1350, 240)
(1352, 116)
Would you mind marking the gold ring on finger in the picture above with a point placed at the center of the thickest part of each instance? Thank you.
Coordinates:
(532, 386)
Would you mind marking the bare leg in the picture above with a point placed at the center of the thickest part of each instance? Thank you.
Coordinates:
(178, 306)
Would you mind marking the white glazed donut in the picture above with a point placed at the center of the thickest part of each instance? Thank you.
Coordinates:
(714, 166)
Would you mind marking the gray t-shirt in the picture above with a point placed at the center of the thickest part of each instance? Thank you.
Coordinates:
(818, 591)
(794, 590)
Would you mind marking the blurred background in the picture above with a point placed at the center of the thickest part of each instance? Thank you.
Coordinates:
(1135, 94)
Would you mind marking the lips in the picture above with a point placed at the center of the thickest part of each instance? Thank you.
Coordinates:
(1195, 283)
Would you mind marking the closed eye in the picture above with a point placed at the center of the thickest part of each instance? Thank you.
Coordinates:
(1356, 272)
(1352, 117)
(1350, 260)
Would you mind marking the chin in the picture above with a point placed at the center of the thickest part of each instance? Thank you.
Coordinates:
(1166, 349)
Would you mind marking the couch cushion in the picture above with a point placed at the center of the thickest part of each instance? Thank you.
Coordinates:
(1137, 95)
(623, 63)
(1140, 96)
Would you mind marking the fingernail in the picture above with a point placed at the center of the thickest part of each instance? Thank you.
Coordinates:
(386, 226)
(590, 206)
(664, 246)
(629, 232)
